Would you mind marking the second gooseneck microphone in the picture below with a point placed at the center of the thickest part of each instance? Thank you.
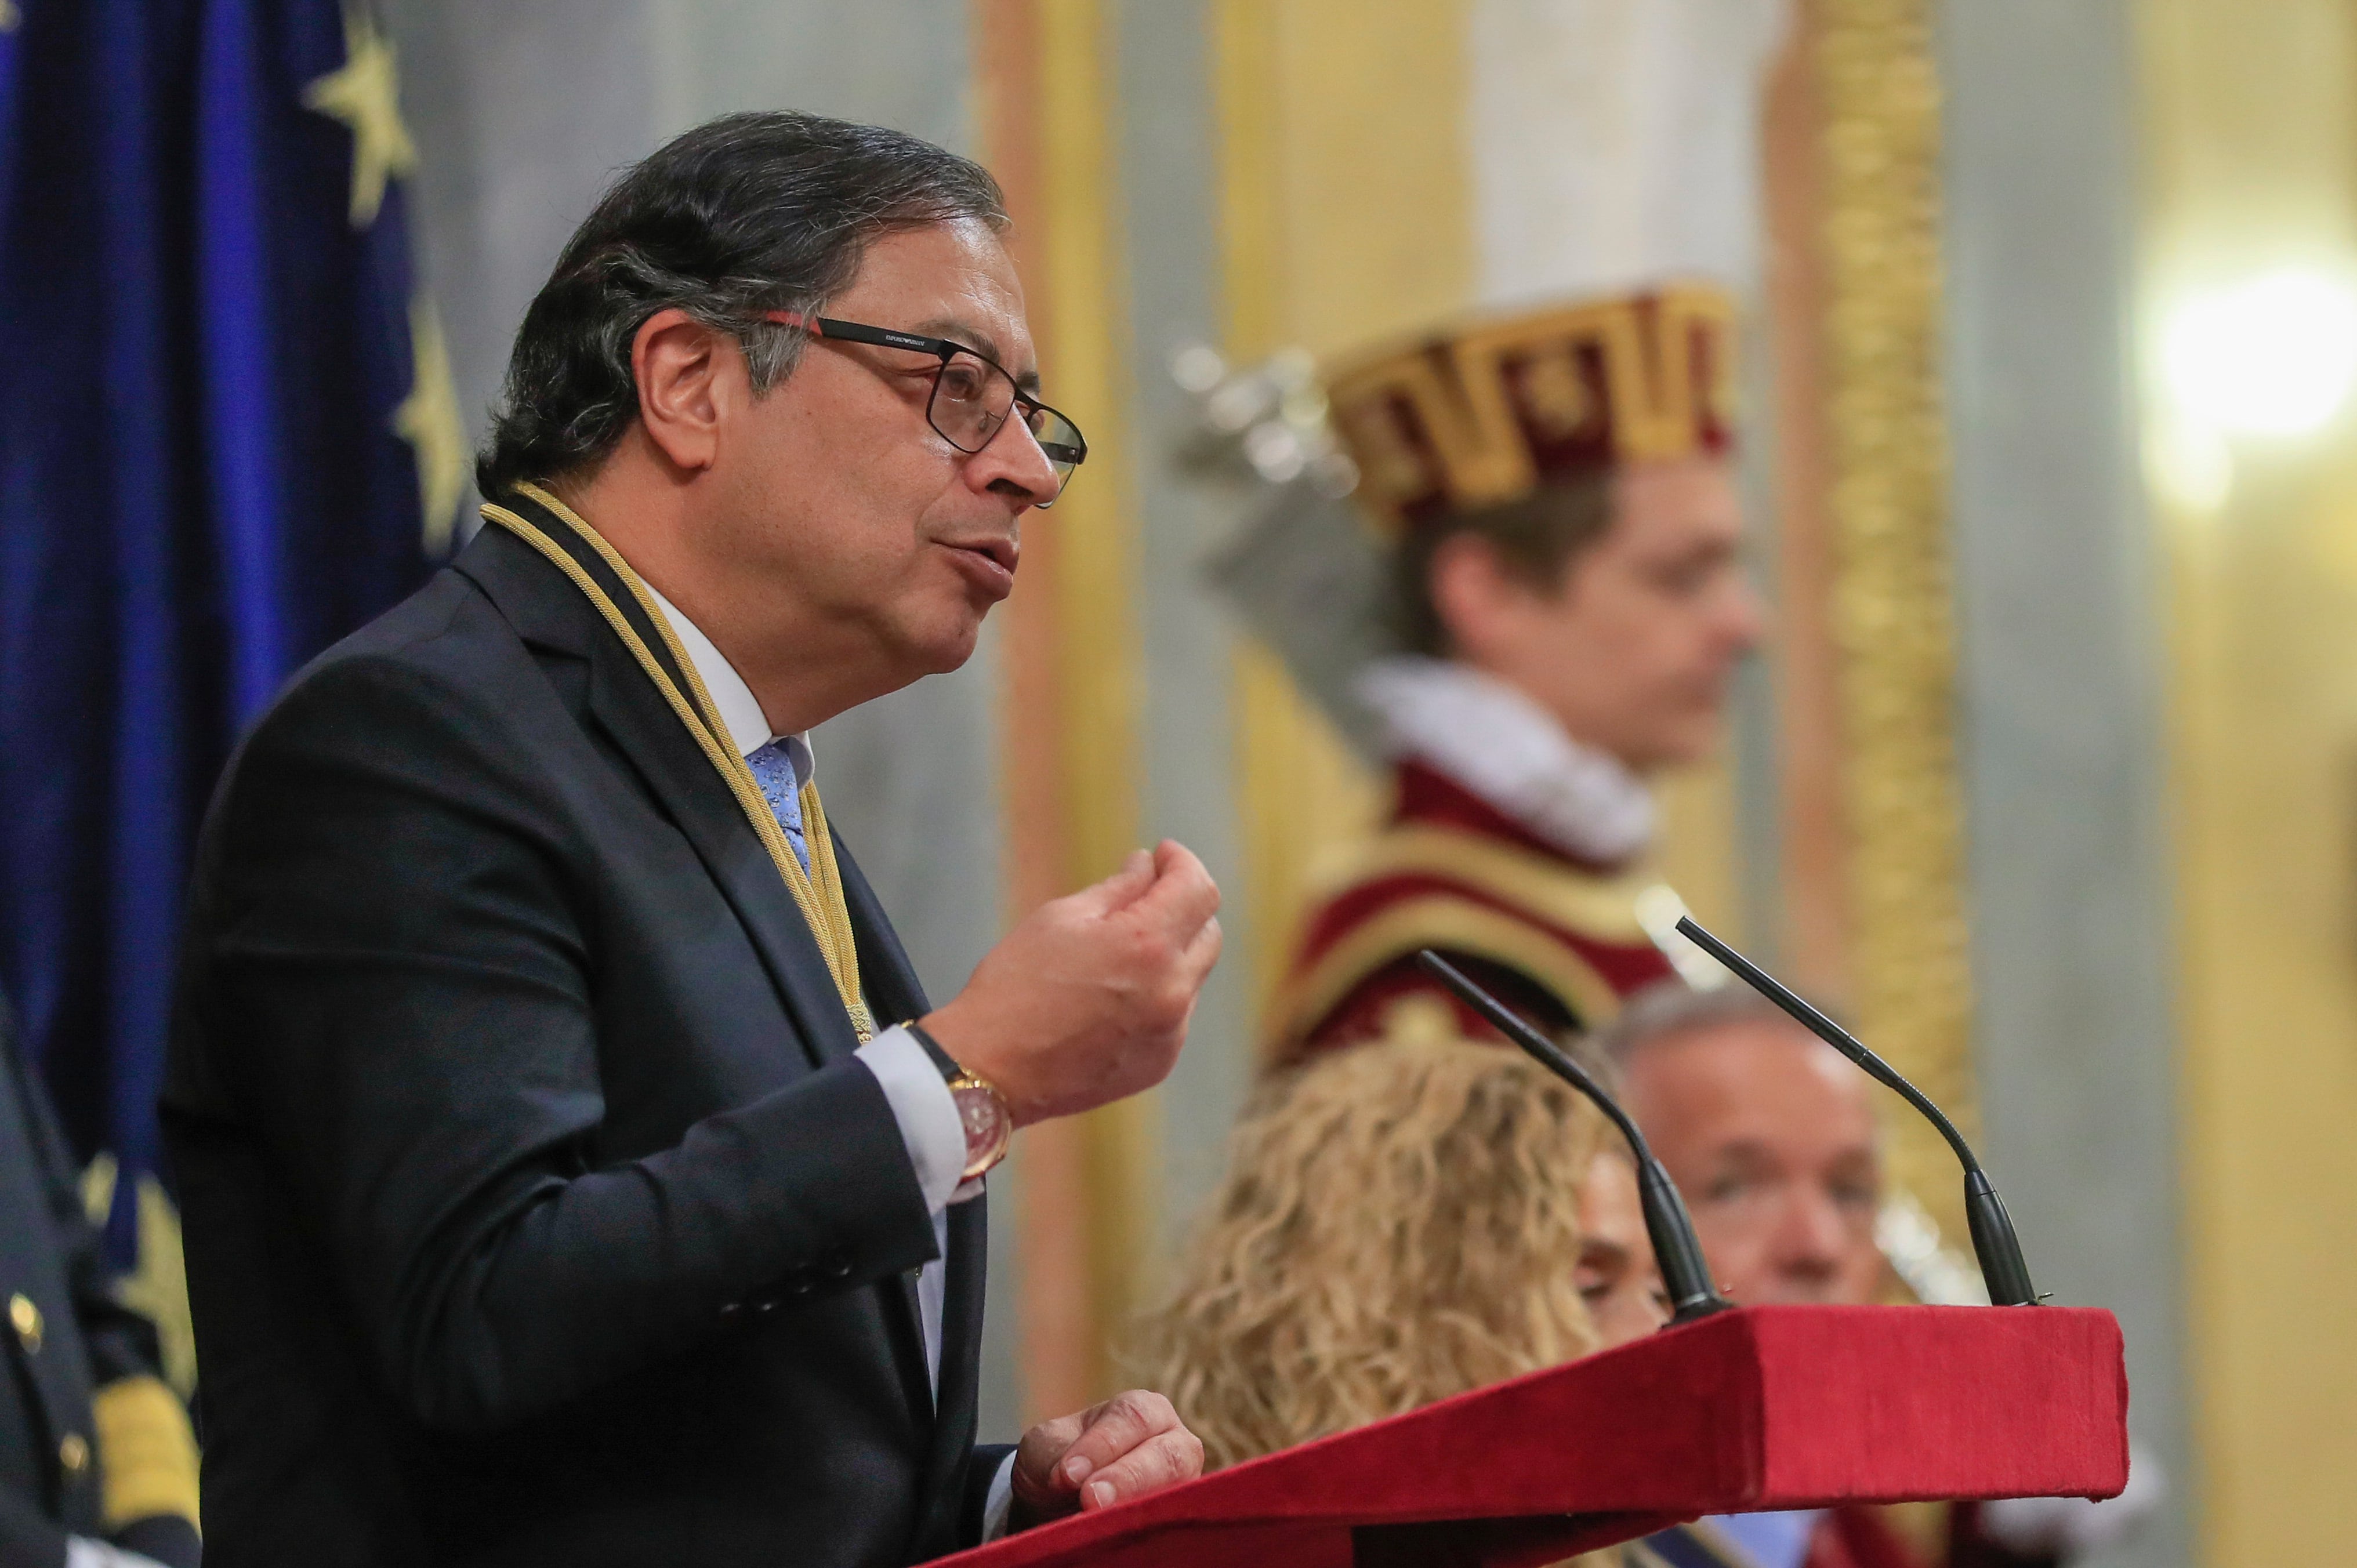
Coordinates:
(1684, 1275)
(1994, 1242)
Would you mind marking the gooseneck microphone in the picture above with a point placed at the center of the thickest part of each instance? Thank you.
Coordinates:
(1994, 1242)
(1683, 1274)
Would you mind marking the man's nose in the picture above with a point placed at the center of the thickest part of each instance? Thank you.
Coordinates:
(1011, 462)
(1809, 1238)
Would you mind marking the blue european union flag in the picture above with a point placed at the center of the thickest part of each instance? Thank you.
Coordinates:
(227, 438)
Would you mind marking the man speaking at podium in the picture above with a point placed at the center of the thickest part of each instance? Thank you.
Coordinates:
(573, 1170)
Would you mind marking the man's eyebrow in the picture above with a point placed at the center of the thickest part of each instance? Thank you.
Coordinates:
(1746, 1151)
(966, 334)
(1850, 1159)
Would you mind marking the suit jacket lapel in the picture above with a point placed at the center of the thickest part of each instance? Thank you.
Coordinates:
(961, 1375)
(942, 1491)
(543, 606)
(894, 996)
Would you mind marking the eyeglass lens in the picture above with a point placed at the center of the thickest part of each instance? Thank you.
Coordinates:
(972, 399)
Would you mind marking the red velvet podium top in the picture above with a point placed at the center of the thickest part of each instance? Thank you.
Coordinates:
(1777, 1407)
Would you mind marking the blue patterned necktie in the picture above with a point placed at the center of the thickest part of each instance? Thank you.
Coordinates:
(773, 771)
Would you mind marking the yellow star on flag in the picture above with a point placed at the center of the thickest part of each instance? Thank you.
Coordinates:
(428, 419)
(366, 95)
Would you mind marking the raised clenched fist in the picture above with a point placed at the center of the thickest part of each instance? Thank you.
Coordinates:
(1087, 1000)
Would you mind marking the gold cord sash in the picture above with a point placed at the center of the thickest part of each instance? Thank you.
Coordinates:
(817, 892)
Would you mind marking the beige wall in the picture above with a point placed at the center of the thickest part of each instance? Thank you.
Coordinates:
(2251, 154)
(1344, 219)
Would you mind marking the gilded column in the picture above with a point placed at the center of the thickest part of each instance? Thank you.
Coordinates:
(1893, 619)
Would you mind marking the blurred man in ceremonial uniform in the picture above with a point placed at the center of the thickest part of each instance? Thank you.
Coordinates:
(97, 1468)
(1555, 499)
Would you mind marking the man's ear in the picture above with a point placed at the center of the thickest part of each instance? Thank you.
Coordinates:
(1472, 592)
(678, 362)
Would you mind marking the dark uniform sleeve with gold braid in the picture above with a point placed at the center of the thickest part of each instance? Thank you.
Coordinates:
(125, 1463)
(148, 1476)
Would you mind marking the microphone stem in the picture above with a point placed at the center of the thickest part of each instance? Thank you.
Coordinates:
(1995, 1245)
(1677, 1252)
(1832, 1034)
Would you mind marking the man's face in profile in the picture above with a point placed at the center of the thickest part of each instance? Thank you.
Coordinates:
(836, 487)
(1633, 648)
(1772, 1138)
(1657, 614)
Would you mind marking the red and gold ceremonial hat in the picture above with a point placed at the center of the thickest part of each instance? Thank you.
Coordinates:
(1500, 407)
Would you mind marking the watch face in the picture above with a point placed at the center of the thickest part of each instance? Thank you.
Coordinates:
(987, 1126)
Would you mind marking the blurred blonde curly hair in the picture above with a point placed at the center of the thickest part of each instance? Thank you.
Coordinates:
(1398, 1222)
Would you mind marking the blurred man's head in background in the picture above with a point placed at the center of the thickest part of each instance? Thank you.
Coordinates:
(1557, 485)
(1618, 603)
(1770, 1134)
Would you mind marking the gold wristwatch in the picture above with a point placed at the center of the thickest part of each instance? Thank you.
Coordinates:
(987, 1121)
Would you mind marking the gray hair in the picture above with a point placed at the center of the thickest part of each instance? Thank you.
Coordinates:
(1670, 1007)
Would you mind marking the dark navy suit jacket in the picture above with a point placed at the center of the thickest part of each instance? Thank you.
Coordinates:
(536, 1210)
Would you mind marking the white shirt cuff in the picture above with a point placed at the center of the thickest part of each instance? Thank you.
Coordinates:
(927, 1113)
(81, 1552)
(1000, 1501)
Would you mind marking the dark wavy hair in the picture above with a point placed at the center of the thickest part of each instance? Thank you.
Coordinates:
(746, 214)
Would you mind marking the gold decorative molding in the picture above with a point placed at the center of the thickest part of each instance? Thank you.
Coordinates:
(1892, 610)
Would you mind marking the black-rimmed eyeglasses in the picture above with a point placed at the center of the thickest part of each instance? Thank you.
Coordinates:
(972, 395)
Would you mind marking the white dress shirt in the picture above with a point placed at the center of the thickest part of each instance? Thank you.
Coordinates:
(931, 1127)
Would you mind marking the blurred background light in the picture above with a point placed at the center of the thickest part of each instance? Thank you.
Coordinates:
(2272, 355)
(2188, 462)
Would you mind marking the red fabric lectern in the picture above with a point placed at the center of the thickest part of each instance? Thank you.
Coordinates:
(1766, 1408)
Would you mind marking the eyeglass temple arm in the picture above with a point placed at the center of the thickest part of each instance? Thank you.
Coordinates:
(817, 327)
(858, 332)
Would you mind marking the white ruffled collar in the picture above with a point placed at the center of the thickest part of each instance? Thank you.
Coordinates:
(1514, 754)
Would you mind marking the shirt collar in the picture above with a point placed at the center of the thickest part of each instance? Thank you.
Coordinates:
(1495, 741)
(749, 727)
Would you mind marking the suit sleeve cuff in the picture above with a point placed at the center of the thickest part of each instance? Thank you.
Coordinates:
(925, 1109)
